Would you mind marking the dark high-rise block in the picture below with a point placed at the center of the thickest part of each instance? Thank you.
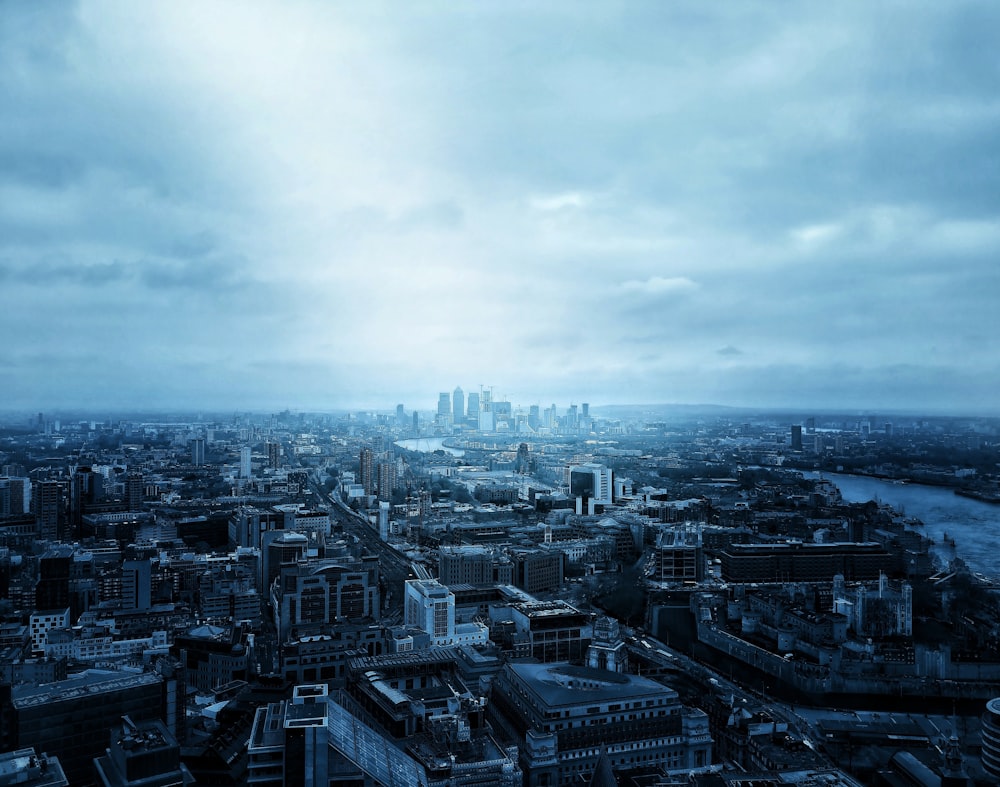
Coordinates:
(70, 718)
(796, 437)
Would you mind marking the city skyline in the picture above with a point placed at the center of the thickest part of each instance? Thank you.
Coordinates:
(327, 207)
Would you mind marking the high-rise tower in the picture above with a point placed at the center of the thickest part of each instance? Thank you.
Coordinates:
(474, 408)
(458, 405)
(386, 480)
(47, 500)
(198, 451)
(366, 470)
(796, 437)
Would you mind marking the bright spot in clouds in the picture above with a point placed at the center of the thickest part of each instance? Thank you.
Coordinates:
(315, 205)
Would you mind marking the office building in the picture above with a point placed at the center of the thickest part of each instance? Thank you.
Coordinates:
(54, 570)
(212, 656)
(289, 744)
(678, 556)
(444, 405)
(592, 481)
(796, 437)
(248, 524)
(137, 584)
(47, 501)
(198, 451)
(279, 548)
(474, 565)
(538, 570)
(548, 631)
(430, 607)
(25, 768)
(458, 405)
(800, 562)
(274, 455)
(325, 591)
(86, 489)
(245, 462)
(142, 755)
(69, 719)
(473, 409)
(384, 511)
(564, 718)
(134, 492)
(41, 622)
(386, 480)
(991, 738)
(366, 470)
(15, 494)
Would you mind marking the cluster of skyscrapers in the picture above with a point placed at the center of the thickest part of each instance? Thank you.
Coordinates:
(482, 411)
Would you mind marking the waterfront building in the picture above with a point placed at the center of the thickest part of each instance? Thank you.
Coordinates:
(444, 406)
(473, 408)
(802, 562)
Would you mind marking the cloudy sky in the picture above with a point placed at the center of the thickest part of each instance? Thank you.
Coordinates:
(316, 204)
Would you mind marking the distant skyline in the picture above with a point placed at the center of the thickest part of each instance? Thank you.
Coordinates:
(325, 206)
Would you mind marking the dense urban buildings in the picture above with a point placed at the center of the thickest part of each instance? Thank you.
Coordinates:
(502, 595)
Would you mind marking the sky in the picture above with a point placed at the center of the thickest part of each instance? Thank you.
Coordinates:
(317, 205)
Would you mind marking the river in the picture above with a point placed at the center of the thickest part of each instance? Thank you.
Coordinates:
(428, 445)
(973, 524)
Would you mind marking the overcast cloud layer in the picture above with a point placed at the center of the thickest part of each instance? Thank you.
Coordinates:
(312, 205)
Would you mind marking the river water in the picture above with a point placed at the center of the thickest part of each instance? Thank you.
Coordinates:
(973, 524)
(428, 445)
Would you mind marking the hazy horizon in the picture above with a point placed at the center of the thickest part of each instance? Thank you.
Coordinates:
(310, 205)
(608, 410)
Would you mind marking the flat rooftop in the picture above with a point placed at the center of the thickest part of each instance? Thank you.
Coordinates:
(565, 684)
(89, 682)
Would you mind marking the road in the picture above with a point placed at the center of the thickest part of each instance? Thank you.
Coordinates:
(660, 654)
(394, 566)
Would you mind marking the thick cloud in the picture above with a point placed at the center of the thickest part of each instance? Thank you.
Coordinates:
(314, 205)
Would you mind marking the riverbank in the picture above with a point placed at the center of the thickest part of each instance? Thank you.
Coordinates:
(973, 525)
